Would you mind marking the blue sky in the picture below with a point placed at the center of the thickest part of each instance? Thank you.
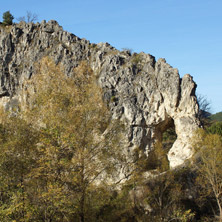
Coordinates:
(188, 33)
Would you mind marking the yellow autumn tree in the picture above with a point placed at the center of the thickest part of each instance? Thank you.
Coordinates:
(79, 145)
(18, 157)
(208, 161)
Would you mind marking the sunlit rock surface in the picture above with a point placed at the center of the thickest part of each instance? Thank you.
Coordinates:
(148, 95)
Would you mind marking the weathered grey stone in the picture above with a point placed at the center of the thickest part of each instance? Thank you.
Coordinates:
(148, 94)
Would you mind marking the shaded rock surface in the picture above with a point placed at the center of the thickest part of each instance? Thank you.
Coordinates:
(146, 93)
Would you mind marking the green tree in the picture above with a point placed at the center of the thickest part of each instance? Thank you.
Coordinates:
(7, 18)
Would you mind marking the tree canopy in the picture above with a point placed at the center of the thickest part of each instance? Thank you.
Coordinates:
(7, 18)
(57, 149)
(209, 169)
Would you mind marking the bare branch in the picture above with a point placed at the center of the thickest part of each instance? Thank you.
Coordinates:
(30, 17)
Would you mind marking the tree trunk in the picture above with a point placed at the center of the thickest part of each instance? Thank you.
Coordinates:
(83, 190)
(82, 207)
(220, 214)
(220, 209)
(23, 196)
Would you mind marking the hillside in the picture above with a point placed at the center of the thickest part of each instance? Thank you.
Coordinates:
(216, 116)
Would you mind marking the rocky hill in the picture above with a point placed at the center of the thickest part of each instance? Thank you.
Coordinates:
(148, 94)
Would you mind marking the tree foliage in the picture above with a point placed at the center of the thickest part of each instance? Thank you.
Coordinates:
(17, 160)
(7, 18)
(60, 151)
(208, 162)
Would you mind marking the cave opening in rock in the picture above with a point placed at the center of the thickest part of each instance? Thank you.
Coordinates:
(165, 136)
(165, 133)
(169, 136)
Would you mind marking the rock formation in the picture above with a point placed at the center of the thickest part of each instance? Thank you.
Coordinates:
(148, 94)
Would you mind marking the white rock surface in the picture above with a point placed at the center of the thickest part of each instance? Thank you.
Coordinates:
(148, 95)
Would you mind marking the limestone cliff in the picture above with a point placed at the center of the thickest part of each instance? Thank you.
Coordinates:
(148, 94)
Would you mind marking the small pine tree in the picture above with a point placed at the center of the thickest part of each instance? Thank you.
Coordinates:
(7, 18)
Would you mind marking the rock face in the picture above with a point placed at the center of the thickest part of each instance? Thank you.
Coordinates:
(148, 94)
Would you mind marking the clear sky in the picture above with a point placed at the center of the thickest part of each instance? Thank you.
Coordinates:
(187, 33)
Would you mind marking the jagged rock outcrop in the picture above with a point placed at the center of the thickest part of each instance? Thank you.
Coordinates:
(148, 94)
